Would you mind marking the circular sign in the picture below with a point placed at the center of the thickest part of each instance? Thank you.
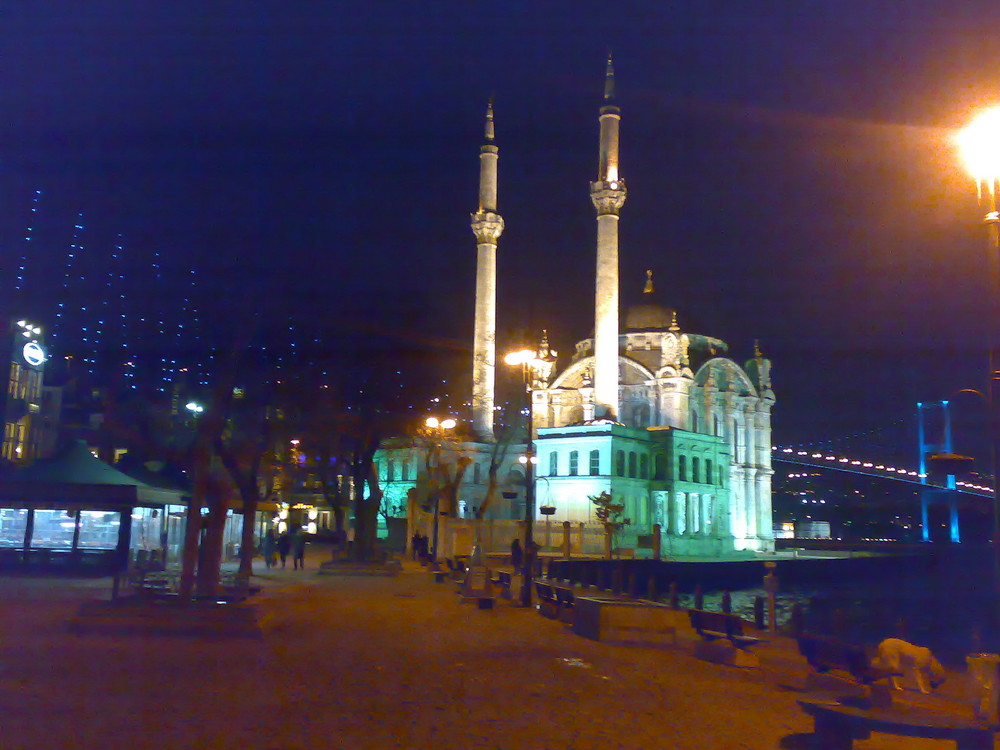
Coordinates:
(33, 354)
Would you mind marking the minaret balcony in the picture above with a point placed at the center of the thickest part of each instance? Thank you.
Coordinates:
(487, 226)
(608, 196)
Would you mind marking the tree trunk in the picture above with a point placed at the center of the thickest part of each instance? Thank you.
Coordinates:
(247, 546)
(210, 559)
(192, 530)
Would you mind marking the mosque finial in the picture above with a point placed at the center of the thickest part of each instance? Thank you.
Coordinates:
(648, 289)
(609, 79)
(673, 322)
(490, 132)
(756, 349)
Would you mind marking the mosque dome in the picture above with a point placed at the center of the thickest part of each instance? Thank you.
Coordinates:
(647, 315)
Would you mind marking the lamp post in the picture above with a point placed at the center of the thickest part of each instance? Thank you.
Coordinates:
(979, 144)
(532, 368)
(436, 428)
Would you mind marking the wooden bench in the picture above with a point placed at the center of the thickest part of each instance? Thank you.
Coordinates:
(837, 723)
(456, 568)
(548, 604)
(826, 654)
(713, 626)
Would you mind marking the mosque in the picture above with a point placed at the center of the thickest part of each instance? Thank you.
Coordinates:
(656, 415)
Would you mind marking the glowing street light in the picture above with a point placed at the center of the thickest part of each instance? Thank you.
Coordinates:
(438, 427)
(194, 408)
(979, 147)
(533, 370)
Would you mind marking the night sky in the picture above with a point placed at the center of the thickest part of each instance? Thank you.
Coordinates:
(789, 164)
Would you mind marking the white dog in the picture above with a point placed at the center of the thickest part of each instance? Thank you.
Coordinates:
(896, 655)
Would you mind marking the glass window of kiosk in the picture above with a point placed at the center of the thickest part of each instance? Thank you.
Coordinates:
(99, 529)
(13, 524)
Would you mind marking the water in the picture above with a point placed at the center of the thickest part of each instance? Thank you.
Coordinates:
(942, 598)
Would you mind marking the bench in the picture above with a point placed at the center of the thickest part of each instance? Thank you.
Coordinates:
(713, 626)
(837, 723)
(456, 568)
(548, 604)
(826, 654)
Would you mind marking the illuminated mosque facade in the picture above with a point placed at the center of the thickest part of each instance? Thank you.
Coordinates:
(654, 414)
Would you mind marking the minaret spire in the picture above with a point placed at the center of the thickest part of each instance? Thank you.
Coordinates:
(609, 79)
(490, 132)
(607, 193)
(487, 225)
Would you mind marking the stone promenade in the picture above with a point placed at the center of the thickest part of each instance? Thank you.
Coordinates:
(379, 663)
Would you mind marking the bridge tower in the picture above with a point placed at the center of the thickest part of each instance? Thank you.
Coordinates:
(931, 493)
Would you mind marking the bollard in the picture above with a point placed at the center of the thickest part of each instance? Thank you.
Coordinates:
(675, 600)
(899, 629)
(727, 602)
(758, 612)
(699, 599)
(839, 626)
(651, 592)
(797, 619)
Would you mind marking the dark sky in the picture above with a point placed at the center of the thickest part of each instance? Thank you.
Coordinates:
(789, 168)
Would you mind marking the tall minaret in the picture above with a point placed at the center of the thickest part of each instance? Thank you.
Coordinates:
(487, 225)
(608, 196)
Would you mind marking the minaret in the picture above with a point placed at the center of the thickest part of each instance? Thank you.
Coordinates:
(487, 225)
(608, 196)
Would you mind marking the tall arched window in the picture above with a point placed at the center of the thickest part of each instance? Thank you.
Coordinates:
(553, 464)
(574, 463)
(595, 463)
(643, 466)
(633, 466)
(390, 471)
(476, 473)
(682, 468)
(709, 477)
(695, 469)
(694, 421)
(404, 470)
(620, 463)
(659, 466)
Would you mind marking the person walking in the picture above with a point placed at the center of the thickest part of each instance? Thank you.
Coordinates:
(268, 547)
(284, 545)
(299, 548)
(516, 554)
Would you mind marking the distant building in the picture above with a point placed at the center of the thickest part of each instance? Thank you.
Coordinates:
(23, 435)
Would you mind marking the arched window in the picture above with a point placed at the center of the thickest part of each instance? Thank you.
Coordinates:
(595, 463)
(694, 421)
(709, 477)
(390, 471)
(659, 466)
(404, 470)
(553, 464)
(633, 470)
(476, 473)
(717, 425)
(619, 463)
(643, 466)
(682, 468)
(695, 469)
(574, 463)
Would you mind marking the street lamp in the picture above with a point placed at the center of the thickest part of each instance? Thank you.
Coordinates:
(979, 145)
(437, 427)
(533, 368)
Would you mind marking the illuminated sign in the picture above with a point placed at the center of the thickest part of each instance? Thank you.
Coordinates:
(33, 354)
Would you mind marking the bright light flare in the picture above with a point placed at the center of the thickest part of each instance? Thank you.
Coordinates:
(522, 357)
(979, 145)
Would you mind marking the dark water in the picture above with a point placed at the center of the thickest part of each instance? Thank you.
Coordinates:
(943, 598)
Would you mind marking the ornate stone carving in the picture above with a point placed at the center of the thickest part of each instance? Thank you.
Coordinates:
(608, 197)
(487, 226)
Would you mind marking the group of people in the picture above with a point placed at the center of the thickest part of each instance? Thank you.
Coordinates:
(418, 546)
(277, 546)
